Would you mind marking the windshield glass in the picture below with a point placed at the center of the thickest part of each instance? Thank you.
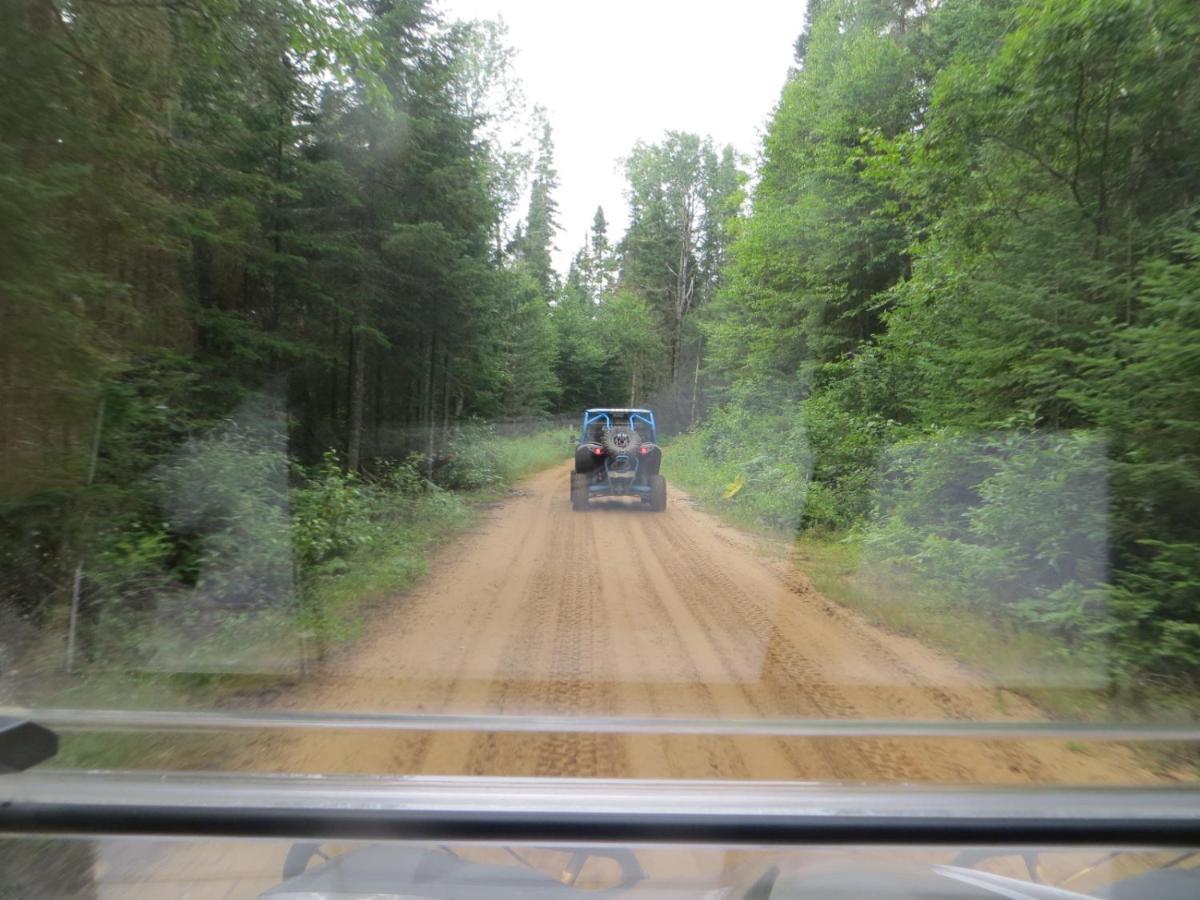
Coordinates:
(790, 392)
(634, 400)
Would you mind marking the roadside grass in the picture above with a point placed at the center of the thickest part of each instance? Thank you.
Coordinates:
(520, 457)
(334, 601)
(720, 488)
(336, 609)
(1022, 661)
(413, 528)
(192, 751)
(335, 606)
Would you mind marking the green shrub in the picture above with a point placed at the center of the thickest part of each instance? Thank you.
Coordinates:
(477, 457)
(524, 455)
(333, 514)
(471, 460)
(1154, 604)
(227, 551)
(809, 466)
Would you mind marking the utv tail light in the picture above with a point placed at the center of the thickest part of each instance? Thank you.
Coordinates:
(599, 451)
(644, 451)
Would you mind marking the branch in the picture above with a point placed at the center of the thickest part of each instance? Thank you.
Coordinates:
(1102, 193)
(1045, 166)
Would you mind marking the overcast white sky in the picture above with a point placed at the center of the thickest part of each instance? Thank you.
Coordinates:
(616, 71)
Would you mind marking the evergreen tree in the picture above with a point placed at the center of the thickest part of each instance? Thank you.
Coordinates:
(971, 250)
(682, 196)
(209, 201)
(602, 257)
(541, 224)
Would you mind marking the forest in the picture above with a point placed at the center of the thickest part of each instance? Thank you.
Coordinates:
(270, 271)
(290, 260)
(966, 295)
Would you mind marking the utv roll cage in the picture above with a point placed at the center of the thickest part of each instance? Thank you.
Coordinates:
(595, 419)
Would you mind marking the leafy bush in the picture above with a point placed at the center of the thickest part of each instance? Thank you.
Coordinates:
(332, 514)
(471, 460)
(236, 549)
(1154, 606)
(403, 479)
(226, 496)
(810, 466)
(1011, 524)
(477, 457)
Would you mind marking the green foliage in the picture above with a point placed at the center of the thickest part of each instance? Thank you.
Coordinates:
(222, 201)
(480, 458)
(582, 368)
(527, 380)
(799, 466)
(523, 455)
(541, 224)
(1014, 523)
(593, 272)
(234, 554)
(356, 537)
(760, 466)
(824, 240)
(1154, 606)
(332, 513)
(472, 462)
(682, 195)
(970, 271)
(635, 351)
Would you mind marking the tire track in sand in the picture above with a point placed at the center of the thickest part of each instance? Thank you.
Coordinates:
(619, 611)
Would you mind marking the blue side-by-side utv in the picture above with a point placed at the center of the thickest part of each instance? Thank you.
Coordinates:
(617, 456)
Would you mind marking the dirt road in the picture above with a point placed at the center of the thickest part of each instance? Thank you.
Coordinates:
(621, 611)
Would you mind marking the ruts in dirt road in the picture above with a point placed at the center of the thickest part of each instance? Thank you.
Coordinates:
(619, 611)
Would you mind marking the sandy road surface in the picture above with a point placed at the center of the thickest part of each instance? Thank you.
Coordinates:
(621, 611)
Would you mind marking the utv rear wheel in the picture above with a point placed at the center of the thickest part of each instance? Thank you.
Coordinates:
(579, 492)
(658, 493)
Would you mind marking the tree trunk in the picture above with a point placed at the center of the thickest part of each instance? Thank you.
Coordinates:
(377, 416)
(695, 385)
(8, 389)
(685, 283)
(334, 369)
(358, 391)
(446, 397)
(430, 407)
(77, 579)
